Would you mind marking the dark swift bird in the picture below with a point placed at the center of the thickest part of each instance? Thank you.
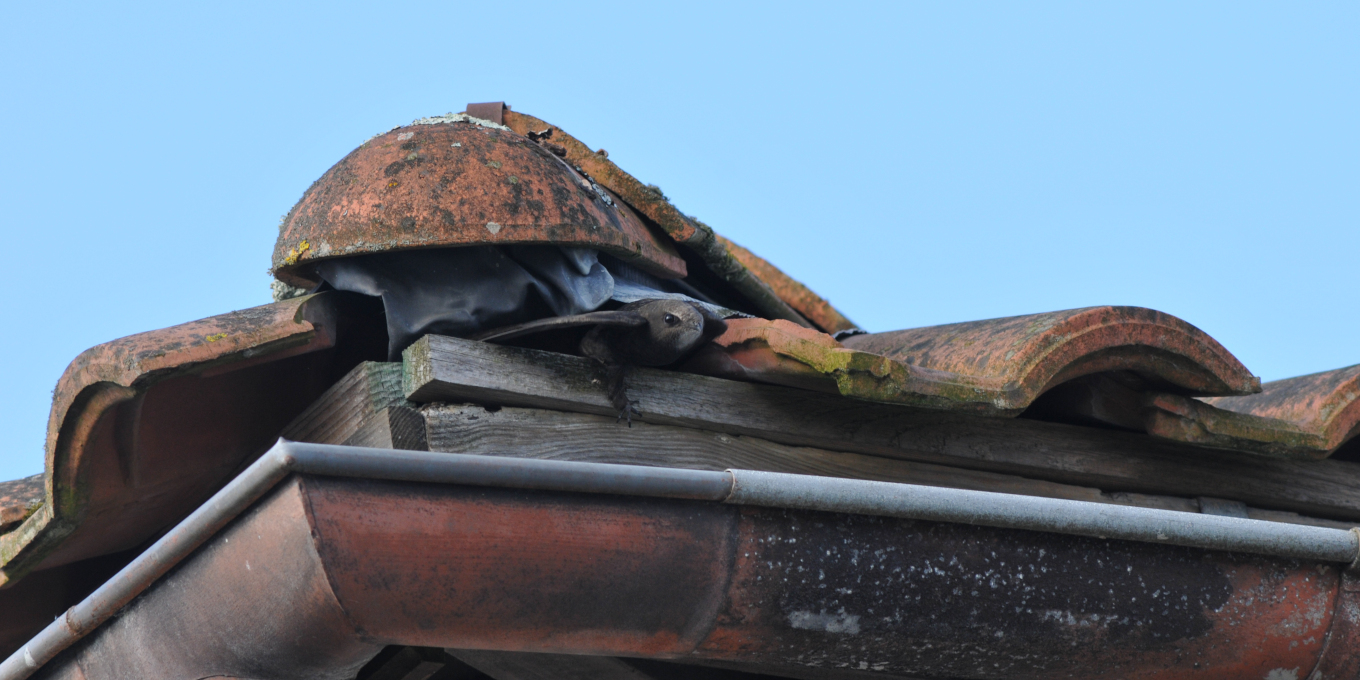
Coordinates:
(656, 332)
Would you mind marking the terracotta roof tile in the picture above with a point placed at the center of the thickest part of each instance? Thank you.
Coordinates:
(999, 366)
(777, 295)
(812, 306)
(1309, 416)
(19, 498)
(395, 193)
(128, 411)
(1025, 355)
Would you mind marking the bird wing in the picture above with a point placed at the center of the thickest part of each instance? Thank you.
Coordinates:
(614, 318)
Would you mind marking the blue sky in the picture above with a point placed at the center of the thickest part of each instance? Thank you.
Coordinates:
(916, 164)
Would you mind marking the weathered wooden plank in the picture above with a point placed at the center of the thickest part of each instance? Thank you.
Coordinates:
(395, 427)
(364, 408)
(449, 369)
(526, 666)
(559, 435)
(564, 435)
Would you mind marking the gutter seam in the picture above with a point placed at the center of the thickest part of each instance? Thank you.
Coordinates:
(330, 581)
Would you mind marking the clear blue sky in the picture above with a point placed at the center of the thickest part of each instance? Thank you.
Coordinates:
(916, 164)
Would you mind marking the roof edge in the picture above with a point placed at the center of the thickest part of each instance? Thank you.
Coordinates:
(107, 376)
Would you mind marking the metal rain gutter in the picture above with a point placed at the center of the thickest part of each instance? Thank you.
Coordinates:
(740, 487)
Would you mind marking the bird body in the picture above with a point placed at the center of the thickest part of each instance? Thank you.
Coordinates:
(653, 332)
(673, 329)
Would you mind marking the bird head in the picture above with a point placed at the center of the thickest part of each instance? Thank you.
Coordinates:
(673, 323)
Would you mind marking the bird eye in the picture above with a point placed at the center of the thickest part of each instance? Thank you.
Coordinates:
(670, 319)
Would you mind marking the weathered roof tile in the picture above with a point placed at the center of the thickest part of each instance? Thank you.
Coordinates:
(162, 419)
(19, 498)
(1309, 416)
(777, 295)
(998, 366)
(1025, 355)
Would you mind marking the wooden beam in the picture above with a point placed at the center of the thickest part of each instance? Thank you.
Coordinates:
(395, 427)
(367, 408)
(452, 370)
(559, 435)
(364, 408)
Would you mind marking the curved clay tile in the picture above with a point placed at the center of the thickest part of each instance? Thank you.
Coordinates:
(812, 306)
(783, 353)
(143, 427)
(998, 366)
(778, 352)
(1023, 356)
(769, 290)
(1308, 417)
(445, 182)
(19, 499)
